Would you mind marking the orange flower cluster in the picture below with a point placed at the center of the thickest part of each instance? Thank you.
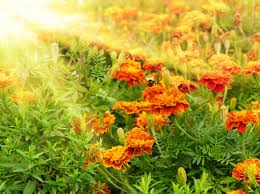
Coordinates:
(243, 170)
(131, 72)
(142, 121)
(240, 120)
(182, 84)
(94, 123)
(138, 141)
(24, 96)
(165, 102)
(216, 81)
(116, 157)
(238, 191)
(252, 67)
(177, 7)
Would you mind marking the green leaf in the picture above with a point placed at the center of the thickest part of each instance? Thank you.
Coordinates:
(30, 187)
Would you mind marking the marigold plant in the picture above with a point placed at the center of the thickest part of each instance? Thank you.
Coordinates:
(253, 67)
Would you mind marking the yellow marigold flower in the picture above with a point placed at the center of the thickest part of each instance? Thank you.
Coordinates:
(116, 157)
(243, 170)
(239, 191)
(138, 141)
(131, 72)
(24, 96)
(142, 121)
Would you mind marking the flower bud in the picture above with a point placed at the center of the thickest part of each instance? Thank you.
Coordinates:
(233, 103)
(223, 112)
(182, 177)
(121, 134)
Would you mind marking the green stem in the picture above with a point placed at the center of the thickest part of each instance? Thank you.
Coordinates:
(180, 128)
(244, 145)
(225, 95)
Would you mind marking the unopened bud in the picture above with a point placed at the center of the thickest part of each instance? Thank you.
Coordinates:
(182, 177)
(223, 112)
(217, 46)
(121, 134)
(233, 103)
(227, 45)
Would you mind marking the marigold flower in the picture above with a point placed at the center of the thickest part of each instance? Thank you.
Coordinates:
(116, 157)
(228, 67)
(256, 37)
(252, 55)
(131, 72)
(216, 81)
(142, 121)
(99, 128)
(216, 59)
(103, 190)
(153, 65)
(93, 155)
(138, 141)
(239, 191)
(243, 170)
(165, 102)
(132, 107)
(5, 80)
(252, 67)
(182, 84)
(256, 110)
(240, 120)
(177, 7)
(23, 96)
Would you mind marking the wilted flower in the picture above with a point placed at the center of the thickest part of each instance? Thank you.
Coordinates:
(252, 67)
(216, 81)
(142, 121)
(240, 120)
(131, 72)
(23, 96)
(244, 170)
(138, 141)
(116, 157)
(239, 191)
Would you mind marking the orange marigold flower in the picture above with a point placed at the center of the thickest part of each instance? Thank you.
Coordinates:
(93, 155)
(177, 7)
(5, 79)
(165, 102)
(116, 157)
(103, 190)
(153, 65)
(131, 72)
(24, 96)
(182, 84)
(256, 110)
(99, 128)
(239, 191)
(132, 107)
(240, 120)
(256, 37)
(252, 55)
(216, 81)
(142, 121)
(252, 67)
(243, 170)
(138, 141)
(228, 67)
